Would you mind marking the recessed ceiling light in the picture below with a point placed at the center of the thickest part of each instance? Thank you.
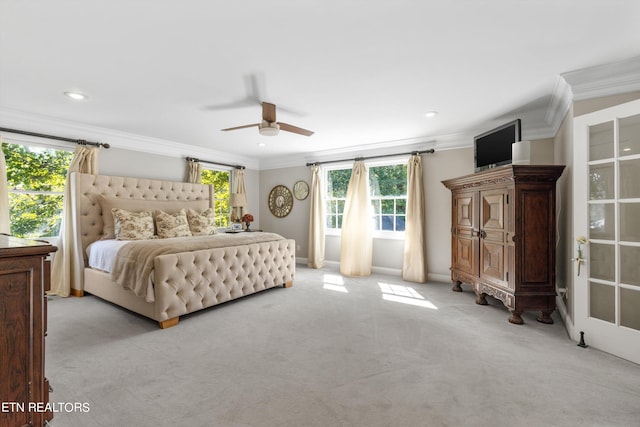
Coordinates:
(76, 95)
(261, 144)
(626, 149)
(430, 114)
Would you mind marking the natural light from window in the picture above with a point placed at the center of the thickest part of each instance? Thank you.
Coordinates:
(404, 295)
(333, 282)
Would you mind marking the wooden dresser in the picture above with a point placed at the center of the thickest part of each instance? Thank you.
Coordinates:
(503, 236)
(24, 279)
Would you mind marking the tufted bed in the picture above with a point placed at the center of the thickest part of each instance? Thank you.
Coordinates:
(182, 274)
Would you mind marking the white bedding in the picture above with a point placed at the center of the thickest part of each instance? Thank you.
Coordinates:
(102, 253)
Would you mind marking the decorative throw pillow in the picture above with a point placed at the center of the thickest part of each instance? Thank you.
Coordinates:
(132, 225)
(137, 205)
(172, 225)
(202, 224)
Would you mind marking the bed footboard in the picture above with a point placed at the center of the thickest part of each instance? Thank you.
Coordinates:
(190, 281)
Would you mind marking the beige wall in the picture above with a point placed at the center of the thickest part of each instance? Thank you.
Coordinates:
(296, 224)
(563, 152)
(590, 105)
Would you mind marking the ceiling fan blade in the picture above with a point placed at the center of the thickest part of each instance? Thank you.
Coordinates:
(241, 103)
(294, 129)
(242, 127)
(269, 112)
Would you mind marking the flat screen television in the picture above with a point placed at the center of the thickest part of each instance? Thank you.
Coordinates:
(493, 148)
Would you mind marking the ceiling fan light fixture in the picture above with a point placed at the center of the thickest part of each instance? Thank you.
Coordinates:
(268, 129)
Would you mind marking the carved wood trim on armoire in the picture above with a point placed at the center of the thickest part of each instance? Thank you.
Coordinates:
(24, 390)
(503, 236)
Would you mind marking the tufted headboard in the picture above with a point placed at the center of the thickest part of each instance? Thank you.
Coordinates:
(87, 191)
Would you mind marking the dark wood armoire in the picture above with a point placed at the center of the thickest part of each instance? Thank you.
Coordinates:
(503, 236)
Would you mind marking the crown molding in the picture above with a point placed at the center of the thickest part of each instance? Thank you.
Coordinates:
(603, 80)
(44, 124)
(561, 101)
(614, 78)
(384, 148)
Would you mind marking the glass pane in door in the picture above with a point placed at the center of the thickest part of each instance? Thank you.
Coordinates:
(602, 261)
(602, 221)
(630, 266)
(630, 179)
(629, 136)
(629, 303)
(602, 302)
(601, 141)
(630, 222)
(601, 181)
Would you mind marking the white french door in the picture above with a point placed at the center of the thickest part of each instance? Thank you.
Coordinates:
(606, 185)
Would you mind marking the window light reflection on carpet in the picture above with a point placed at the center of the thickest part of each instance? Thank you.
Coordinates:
(333, 282)
(405, 295)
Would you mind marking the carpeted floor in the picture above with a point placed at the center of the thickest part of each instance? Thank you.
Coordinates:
(332, 351)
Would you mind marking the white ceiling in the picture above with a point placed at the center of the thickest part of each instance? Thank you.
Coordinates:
(361, 74)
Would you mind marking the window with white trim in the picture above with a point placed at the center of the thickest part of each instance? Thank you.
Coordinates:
(35, 180)
(388, 186)
(221, 180)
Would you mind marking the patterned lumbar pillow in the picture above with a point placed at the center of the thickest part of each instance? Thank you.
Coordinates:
(202, 224)
(132, 225)
(172, 225)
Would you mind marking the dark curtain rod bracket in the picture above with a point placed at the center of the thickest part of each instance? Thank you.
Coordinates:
(59, 138)
(194, 160)
(430, 151)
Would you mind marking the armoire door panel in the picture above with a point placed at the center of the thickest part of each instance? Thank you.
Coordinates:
(536, 242)
(492, 263)
(464, 211)
(492, 215)
(466, 254)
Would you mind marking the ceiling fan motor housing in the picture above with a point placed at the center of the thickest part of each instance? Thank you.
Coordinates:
(268, 129)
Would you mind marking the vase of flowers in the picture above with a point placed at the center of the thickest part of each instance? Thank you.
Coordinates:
(247, 219)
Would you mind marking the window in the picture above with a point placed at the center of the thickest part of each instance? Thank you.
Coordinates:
(35, 178)
(220, 180)
(388, 184)
(388, 196)
(337, 182)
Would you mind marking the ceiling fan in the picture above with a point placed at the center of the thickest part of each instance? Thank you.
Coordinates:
(269, 126)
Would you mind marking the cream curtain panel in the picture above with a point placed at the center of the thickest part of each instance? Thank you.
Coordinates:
(4, 194)
(194, 172)
(316, 221)
(238, 183)
(414, 265)
(356, 246)
(85, 160)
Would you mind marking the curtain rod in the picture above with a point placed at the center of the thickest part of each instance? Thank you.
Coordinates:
(59, 138)
(193, 159)
(430, 151)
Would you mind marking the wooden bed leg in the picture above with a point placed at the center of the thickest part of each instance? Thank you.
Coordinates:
(288, 284)
(76, 292)
(164, 324)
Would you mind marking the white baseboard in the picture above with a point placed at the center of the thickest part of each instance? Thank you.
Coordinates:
(568, 321)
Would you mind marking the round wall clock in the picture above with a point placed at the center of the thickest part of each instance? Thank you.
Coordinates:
(300, 190)
(280, 201)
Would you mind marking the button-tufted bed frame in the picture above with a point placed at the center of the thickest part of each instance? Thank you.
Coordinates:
(183, 282)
